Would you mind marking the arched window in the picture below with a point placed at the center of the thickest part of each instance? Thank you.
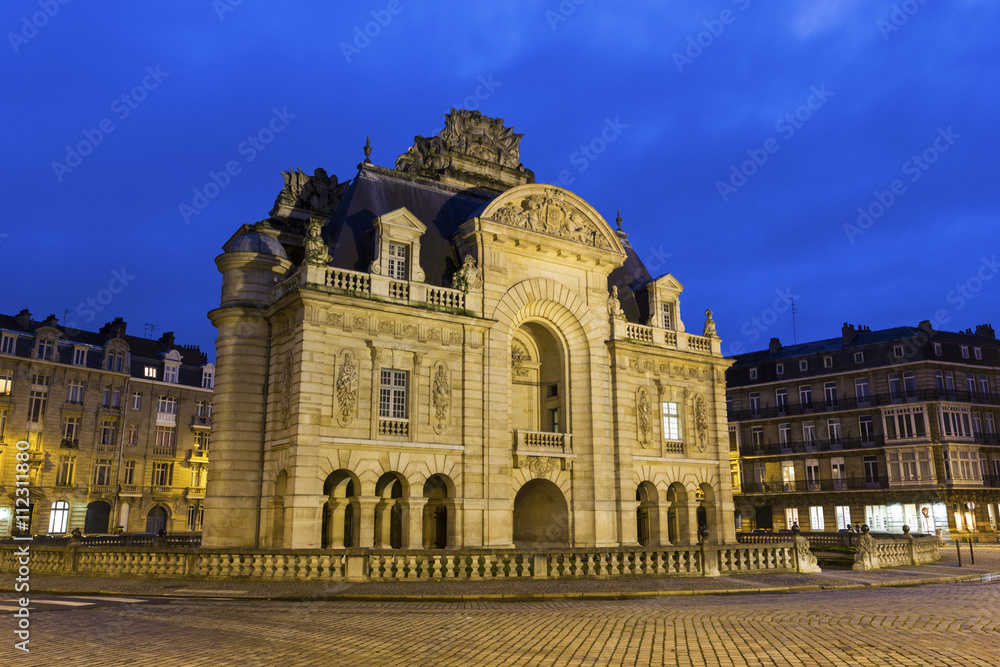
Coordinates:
(59, 517)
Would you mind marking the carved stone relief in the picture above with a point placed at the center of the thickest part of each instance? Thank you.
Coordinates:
(518, 356)
(541, 466)
(551, 213)
(644, 417)
(347, 389)
(318, 193)
(285, 391)
(701, 422)
(441, 399)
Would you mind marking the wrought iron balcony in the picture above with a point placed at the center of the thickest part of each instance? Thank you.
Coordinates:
(809, 446)
(805, 486)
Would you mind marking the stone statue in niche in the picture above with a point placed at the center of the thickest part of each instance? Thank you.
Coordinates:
(615, 311)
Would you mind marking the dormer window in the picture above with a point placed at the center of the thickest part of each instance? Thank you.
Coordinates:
(114, 360)
(396, 261)
(150, 372)
(170, 374)
(44, 349)
(8, 343)
(208, 376)
(171, 366)
(79, 356)
(666, 316)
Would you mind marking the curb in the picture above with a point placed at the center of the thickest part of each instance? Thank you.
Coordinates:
(535, 597)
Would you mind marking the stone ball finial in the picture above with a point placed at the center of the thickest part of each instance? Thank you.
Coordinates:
(865, 529)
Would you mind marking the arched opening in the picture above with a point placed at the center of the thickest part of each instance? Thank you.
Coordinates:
(541, 516)
(647, 515)
(435, 516)
(278, 510)
(59, 517)
(538, 375)
(123, 515)
(677, 516)
(705, 498)
(98, 517)
(156, 520)
(339, 529)
(389, 511)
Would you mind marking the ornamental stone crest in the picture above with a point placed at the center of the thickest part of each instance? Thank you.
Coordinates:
(701, 422)
(550, 212)
(518, 355)
(468, 133)
(441, 399)
(644, 417)
(540, 466)
(319, 193)
(347, 389)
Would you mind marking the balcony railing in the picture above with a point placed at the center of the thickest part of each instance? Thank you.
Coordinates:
(103, 488)
(803, 485)
(810, 446)
(543, 441)
(862, 403)
(201, 420)
(399, 428)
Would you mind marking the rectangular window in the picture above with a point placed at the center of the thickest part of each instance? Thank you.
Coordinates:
(895, 387)
(136, 400)
(833, 428)
(201, 441)
(910, 385)
(984, 388)
(859, 357)
(64, 474)
(812, 474)
(128, 472)
(784, 433)
(809, 432)
(133, 435)
(392, 394)
(74, 392)
(671, 421)
(102, 472)
(791, 516)
(753, 373)
(36, 402)
(977, 352)
(956, 422)
(45, 349)
(871, 471)
(8, 343)
(196, 475)
(79, 356)
(170, 374)
(837, 472)
(937, 349)
(107, 436)
(757, 436)
(396, 261)
(166, 410)
(867, 428)
(150, 372)
(779, 369)
(6, 382)
(827, 362)
(970, 384)
(3, 426)
(207, 379)
(194, 516)
(816, 518)
(788, 475)
(781, 400)
(106, 396)
(904, 423)
(666, 315)
(71, 429)
(843, 516)
(830, 395)
(806, 396)
(897, 350)
(163, 473)
(988, 422)
(164, 437)
(803, 365)
(116, 397)
(861, 392)
(977, 424)
(965, 351)
(754, 404)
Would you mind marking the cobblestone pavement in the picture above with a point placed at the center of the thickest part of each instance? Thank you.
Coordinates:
(944, 624)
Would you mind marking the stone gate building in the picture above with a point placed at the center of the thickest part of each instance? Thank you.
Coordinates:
(448, 354)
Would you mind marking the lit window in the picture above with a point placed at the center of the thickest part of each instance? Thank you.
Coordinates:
(59, 518)
(397, 261)
(392, 394)
(133, 435)
(843, 516)
(671, 421)
(163, 473)
(102, 472)
(128, 473)
(64, 475)
(71, 429)
(816, 518)
(150, 372)
(6, 382)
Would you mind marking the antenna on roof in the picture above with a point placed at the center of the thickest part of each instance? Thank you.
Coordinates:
(65, 313)
(148, 330)
(795, 338)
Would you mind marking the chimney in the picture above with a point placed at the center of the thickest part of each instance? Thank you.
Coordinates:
(51, 321)
(774, 346)
(23, 319)
(167, 340)
(985, 330)
(114, 328)
(849, 333)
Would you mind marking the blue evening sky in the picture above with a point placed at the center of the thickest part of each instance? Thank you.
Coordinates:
(738, 137)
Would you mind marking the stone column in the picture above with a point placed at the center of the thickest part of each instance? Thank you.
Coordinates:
(364, 520)
(413, 522)
(454, 506)
(662, 522)
(689, 532)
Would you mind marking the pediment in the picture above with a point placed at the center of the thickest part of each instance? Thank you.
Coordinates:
(402, 219)
(550, 210)
(667, 283)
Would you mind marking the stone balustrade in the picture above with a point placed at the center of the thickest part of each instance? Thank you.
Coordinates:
(648, 335)
(402, 565)
(874, 553)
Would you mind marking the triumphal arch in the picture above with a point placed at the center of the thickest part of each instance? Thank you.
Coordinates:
(447, 354)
